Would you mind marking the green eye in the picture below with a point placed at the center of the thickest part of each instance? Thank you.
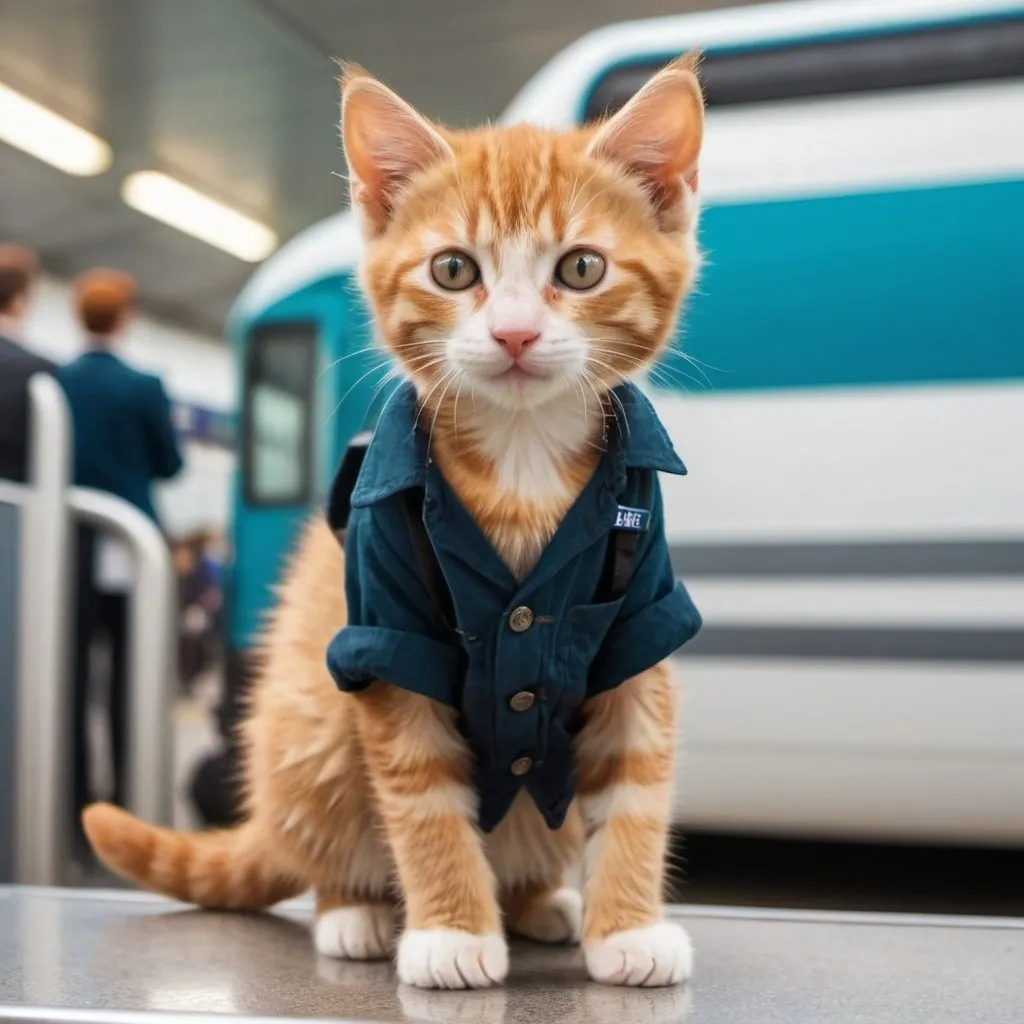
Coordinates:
(454, 271)
(580, 269)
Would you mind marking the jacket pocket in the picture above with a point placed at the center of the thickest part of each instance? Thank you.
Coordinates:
(586, 627)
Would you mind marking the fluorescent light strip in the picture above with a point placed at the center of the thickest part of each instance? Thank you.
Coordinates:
(46, 135)
(173, 203)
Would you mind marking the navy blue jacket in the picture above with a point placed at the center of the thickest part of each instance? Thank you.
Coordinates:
(124, 435)
(17, 366)
(524, 656)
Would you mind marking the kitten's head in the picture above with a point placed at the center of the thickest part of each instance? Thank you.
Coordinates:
(519, 264)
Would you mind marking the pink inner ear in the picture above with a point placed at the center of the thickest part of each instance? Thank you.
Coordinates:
(380, 189)
(664, 194)
(386, 143)
(657, 136)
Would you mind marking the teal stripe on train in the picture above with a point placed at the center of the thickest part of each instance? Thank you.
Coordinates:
(884, 288)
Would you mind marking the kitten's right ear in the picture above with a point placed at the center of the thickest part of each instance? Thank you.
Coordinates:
(386, 143)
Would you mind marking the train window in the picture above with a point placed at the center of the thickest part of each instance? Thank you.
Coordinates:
(277, 455)
(982, 51)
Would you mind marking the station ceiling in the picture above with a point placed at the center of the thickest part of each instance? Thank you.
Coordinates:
(237, 99)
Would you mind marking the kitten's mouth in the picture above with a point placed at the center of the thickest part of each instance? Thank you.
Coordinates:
(518, 374)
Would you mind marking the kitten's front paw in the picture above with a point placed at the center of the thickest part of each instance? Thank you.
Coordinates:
(555, 919)
(660, 954)
(365, 932)
(444, 958)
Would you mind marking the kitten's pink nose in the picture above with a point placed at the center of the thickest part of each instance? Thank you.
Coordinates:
(514, 340)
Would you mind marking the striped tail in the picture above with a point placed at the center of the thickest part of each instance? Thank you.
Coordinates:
(224, 870)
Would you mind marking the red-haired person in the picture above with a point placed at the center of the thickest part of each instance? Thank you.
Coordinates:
(124, 442)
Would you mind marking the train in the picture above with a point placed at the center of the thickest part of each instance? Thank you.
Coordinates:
(846, 388)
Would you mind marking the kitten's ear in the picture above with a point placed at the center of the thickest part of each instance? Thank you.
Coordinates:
(657, 136)
(386, 142)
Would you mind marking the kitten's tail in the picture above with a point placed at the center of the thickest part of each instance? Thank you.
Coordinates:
(224, 870)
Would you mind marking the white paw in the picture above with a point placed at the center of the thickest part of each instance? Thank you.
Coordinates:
(557, 919)
(658, 955)
(444, 958)
(365, 932)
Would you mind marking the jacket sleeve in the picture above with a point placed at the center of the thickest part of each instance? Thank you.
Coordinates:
(394, 633)
(657, 615)
(165, 454)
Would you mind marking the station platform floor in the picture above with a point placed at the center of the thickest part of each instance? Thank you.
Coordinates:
(95, 956)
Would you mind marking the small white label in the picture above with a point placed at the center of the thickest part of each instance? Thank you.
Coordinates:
(632, 520)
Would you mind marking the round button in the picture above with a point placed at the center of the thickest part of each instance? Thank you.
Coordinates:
(522, 701)
(521, 619)
(520, 766)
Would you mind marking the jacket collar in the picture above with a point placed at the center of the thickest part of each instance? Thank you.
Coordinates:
(397, 457)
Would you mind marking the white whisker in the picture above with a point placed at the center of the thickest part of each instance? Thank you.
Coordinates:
(341, 401)
(433, 423)
(433, 385)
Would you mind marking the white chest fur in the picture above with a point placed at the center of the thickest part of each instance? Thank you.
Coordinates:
(530, 451)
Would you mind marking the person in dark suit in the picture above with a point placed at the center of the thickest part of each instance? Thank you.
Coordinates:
(17, 276)
(124, 441)
(124, 434)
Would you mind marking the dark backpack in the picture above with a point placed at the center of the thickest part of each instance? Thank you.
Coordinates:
(619, 559)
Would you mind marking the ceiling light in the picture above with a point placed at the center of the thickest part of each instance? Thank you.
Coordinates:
(168, 200)
(48, 136)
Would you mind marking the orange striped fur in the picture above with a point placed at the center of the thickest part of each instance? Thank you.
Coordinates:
(367, 798)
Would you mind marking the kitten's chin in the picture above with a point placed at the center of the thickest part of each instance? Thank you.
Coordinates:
(518, 390)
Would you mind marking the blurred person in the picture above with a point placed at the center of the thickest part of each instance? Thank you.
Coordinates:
(124, 434)
(186, 563)
(215, 787)
(18, 269)
(199, 604)
(124, 441)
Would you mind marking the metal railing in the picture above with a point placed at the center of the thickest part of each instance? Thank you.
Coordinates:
(43, 696)
(48, 507)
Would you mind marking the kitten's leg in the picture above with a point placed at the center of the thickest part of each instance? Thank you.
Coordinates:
(545, 913)
(353, 929)
(531, 863)
(626, 760)
(420, 770)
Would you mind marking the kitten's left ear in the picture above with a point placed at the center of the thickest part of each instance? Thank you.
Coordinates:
(386, 143)
(657, 137)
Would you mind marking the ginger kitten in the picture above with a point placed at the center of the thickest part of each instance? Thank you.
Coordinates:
(519, 276)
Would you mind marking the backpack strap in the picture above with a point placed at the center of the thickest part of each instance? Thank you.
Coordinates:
(339, 501)
(339, 510)
(426, 558)
(632, 522)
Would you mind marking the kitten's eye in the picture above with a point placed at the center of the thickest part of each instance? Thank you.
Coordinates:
(580, 269)
(454, 271)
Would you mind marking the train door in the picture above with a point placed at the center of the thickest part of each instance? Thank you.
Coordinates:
(308, 379)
